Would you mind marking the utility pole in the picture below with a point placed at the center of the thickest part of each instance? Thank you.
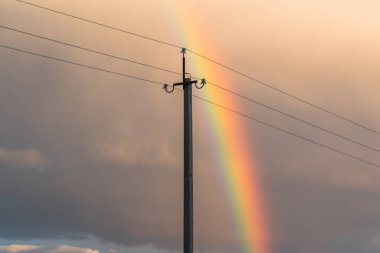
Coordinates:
(187, 85)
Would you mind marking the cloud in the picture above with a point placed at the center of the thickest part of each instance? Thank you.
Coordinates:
(117, 144)
(71, 249)
(25, 158)
(374, 242)
(119, 153)
(15, 248)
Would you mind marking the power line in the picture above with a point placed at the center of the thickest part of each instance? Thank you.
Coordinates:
(200, 98)
(285, 131)
(284, 92)
(211, 60)
(81, 65)
(89, 50)
(173, 72)
(294, 117)
(103, 25)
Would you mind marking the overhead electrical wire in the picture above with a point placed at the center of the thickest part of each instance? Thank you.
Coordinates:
(177, 73)
(200, 98)
(287, 132)
(285, 92)
(88, 50)
(210, 60)
(80, 65)
(100, 24)
(294, 117)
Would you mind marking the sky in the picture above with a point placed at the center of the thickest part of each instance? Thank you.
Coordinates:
(92, 162)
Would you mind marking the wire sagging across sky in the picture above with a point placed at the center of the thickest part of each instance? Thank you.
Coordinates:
(210, 83)
(81, 65)
(88, 50)
(200, 98)
(250, 77)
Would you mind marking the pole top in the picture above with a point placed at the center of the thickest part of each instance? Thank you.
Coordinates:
(183, 51)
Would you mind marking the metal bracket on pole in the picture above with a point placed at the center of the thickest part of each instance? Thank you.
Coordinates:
(166, 88)
(203, 83)
(187, 82)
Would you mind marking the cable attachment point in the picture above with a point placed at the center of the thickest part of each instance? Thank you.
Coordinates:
(183, 51)
(203, 83)
(166, 88)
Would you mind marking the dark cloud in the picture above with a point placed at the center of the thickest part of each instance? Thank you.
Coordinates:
(84, 153)
(22, 158)
(16, 248)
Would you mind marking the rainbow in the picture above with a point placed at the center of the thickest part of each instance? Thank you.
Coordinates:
(238, 166)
